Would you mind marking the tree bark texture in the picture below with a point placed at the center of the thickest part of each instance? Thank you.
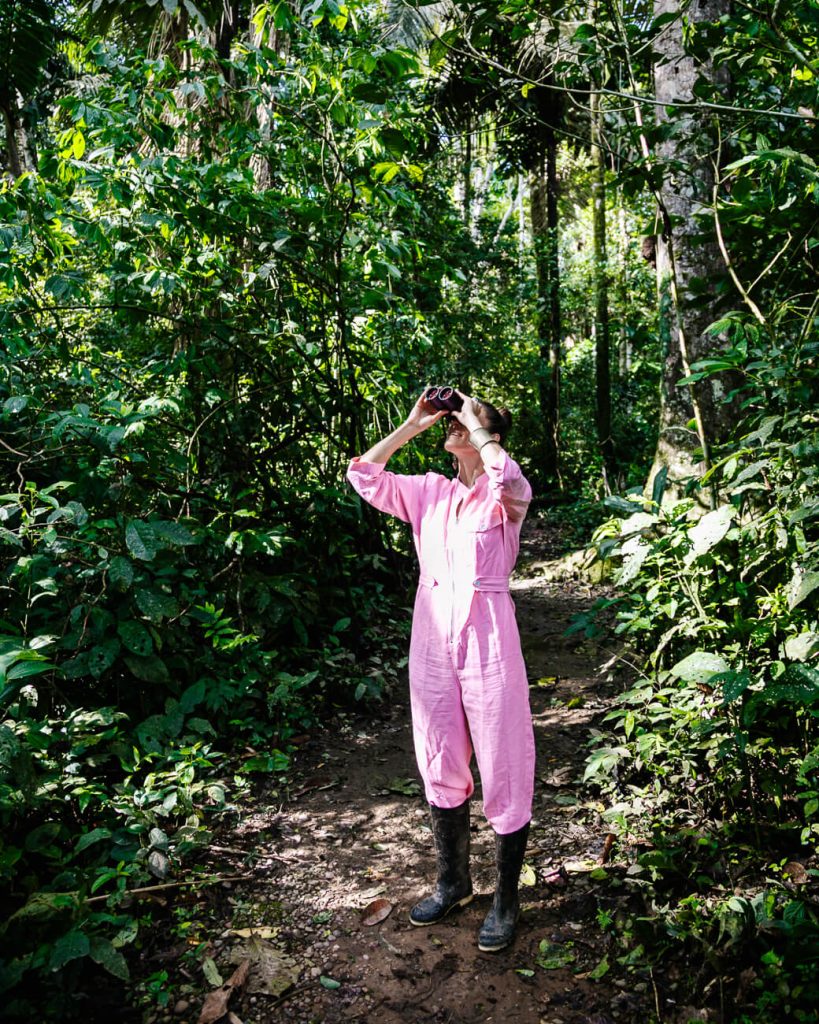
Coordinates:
(688, 258)
(544, 215)
(13, 162)
(601, 290)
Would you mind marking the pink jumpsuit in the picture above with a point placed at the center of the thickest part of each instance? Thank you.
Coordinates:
(468, 684)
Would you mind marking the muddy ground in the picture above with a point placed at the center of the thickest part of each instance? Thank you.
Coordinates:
(351, 832)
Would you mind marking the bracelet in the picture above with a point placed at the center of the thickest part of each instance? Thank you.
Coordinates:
(479, 438)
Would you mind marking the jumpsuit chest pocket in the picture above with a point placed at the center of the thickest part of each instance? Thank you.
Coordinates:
(486, 531)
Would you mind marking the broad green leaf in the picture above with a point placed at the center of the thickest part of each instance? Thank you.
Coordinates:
(155, 605)
(121, 572)
(103, 953)
(658, 486)
(102, 657)
(149, 669)
(734, 684)
(42, 837)
(802, 585)
(173, 533)
(135, 637)
(69, 947)
(700, 667)
(634, 552)
(622, 505)
(801, 647)
(141, 540)
(24, 669)
(709, 531)
(89, 838)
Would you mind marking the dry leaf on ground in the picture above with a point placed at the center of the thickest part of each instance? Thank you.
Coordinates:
(216, 1004)
(273, 971)
(376, 912)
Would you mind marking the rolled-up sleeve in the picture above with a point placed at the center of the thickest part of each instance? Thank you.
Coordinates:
(393, 493)
(509, 486)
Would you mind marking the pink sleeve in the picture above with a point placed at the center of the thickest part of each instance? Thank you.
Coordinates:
(389, 492)
(509, 487)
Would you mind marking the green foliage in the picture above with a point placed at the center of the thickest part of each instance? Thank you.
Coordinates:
(723, 727)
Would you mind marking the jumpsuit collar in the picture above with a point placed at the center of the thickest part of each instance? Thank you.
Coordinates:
(461, 486)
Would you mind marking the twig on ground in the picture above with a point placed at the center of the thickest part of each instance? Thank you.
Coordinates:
(147, 889)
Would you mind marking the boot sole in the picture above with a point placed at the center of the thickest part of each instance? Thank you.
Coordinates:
(455, 906)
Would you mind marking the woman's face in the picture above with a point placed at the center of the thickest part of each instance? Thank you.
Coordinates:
(457, 436)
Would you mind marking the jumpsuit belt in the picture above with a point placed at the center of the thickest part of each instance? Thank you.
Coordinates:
(489, 584)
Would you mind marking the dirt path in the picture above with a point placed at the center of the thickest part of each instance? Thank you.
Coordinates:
(353, 829)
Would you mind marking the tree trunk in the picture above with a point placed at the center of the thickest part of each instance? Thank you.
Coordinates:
(601, 291)
(687, 264)
(10, 120)
(624, 343)
(543, 198)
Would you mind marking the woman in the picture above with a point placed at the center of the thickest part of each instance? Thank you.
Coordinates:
(468, 684)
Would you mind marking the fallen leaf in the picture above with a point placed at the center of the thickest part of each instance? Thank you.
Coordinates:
(601, 970)
(406, 787)
(216, 1003)
(211, 972)
(796, 872)
(370, 894)
(552, 955)
(376, 912)
(580, 867)
(524, 972)
(528, 875)
(273, 971)
(565, 800)
(262, 932)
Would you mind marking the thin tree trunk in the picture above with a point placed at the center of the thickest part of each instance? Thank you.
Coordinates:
(601, 291)
(544, 215)
(624, 342)
(467, 173)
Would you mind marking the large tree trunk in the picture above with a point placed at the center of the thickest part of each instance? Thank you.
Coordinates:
(601, 291)
(543, 197)
(687, 264)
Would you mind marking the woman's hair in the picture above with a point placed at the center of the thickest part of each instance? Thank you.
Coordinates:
(496, 421)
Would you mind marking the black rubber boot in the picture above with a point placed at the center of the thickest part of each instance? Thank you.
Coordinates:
(450, 830)
(499, 925)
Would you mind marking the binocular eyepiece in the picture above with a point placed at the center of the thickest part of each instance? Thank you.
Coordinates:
(443, 397)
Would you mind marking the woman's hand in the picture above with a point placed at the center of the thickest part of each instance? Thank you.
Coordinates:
(468, 413)
(423, 415)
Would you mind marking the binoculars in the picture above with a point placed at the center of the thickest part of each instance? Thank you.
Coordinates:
(443, 398)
